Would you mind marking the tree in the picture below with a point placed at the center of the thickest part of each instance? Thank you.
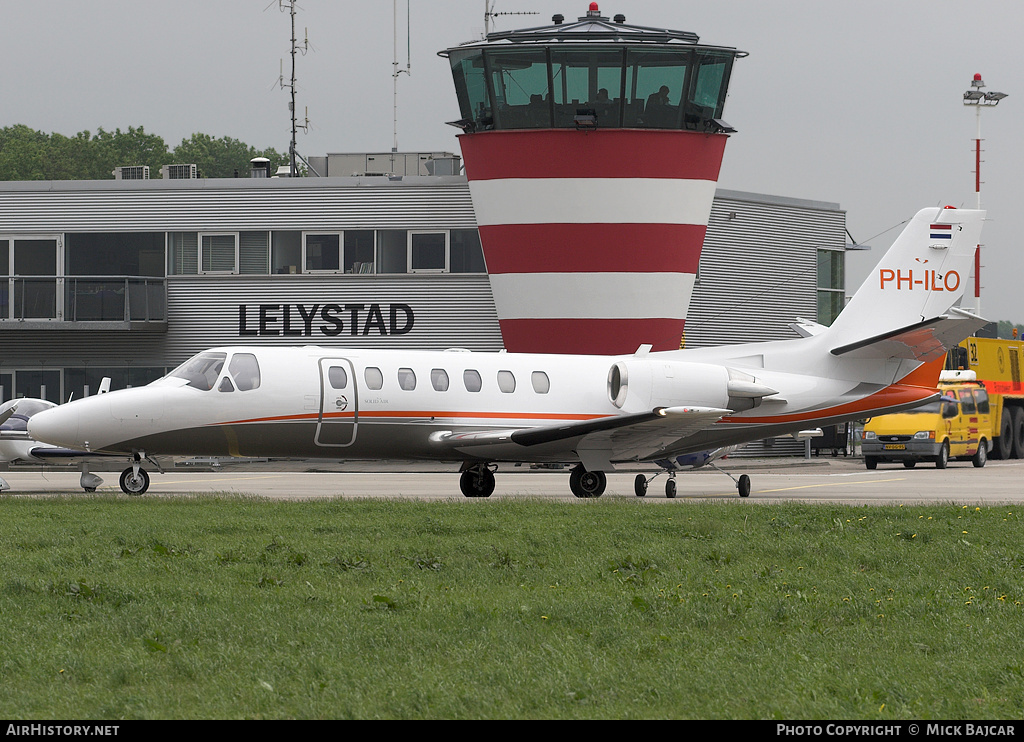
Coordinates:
(220, 158)
(117, 149)
(26, 154)
(23, 153)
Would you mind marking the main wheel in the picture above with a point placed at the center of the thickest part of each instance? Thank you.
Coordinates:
(132, 484)
(1017, 435)
(477, 482)
(1002, 447)
(640, 485)
(585, 483)
(981, 455)
(670, 489)
(942, 460)
(744, 485)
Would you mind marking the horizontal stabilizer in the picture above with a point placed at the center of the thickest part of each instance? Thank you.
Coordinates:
(924, 341)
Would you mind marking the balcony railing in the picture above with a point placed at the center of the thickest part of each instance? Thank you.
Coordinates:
(83, 298)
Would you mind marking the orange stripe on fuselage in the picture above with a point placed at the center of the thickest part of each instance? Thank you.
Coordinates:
(419, 414)
(892, 396)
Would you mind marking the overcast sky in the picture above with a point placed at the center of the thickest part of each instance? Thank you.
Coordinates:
(855, 102)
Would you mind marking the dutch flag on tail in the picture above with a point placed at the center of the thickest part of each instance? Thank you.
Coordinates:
(942, 231)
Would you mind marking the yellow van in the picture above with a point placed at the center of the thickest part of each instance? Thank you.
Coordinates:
(957, 425)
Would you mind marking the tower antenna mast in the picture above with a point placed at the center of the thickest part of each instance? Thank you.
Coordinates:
(397, 71)
(293, 154)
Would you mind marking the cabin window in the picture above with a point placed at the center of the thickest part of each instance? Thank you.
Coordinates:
(373, 377)
(541, 383)
(472, 380)
(406, 379)
(337, 377)
(245, 370)
(506, 382)
(439, 379)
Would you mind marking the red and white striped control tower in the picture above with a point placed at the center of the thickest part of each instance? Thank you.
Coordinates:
(592, 151)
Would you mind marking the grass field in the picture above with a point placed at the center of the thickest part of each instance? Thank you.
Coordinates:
(117, 608)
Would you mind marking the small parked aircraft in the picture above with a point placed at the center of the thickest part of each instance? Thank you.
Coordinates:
(883, 353)
(17, 445)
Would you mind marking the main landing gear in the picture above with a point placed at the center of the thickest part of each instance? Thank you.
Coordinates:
(477, 480)
(641, 483)
(587, 484)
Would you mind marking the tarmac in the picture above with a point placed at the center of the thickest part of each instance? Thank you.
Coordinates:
(825, 479)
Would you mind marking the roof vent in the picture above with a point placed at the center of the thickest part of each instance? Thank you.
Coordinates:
(619, 18)
(557, 19)
(259, 167)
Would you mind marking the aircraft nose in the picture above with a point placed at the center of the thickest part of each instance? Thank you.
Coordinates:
(57, 426)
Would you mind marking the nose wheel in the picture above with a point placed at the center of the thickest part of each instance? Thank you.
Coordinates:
(134, 480)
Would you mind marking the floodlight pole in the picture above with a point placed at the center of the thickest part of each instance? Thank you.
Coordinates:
(979, 99)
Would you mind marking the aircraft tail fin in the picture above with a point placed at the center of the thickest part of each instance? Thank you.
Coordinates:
(907, 306)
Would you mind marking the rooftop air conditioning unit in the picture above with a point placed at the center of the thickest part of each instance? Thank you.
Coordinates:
(179, 172)
(132, 172)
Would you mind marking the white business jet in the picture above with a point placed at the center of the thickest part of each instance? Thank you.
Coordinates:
(883, 353)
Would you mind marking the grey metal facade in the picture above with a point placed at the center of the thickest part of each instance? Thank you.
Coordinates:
(758, 269)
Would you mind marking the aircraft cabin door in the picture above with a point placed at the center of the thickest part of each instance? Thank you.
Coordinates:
(339, 403)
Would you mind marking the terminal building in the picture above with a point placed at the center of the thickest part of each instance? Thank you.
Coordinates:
(128, 278)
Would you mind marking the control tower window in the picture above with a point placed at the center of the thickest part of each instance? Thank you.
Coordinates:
(471, 88)
(633, 86)
(520, 84)
(587, 78)
(710, 82)
(655, 85)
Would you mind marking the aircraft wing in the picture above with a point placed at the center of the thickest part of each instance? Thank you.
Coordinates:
(924, 341)
(619, 437)
(55, 453)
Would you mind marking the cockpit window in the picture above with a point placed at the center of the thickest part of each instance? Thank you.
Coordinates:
(245, 370)
(201, 371)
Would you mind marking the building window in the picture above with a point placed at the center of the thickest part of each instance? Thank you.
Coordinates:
(831, 285)
(428, 252)
(465, 253)
(182, 253)
(321, 252)
(254, 253)
(218, 252)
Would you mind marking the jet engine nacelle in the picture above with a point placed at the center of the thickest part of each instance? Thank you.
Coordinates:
(639, 385)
